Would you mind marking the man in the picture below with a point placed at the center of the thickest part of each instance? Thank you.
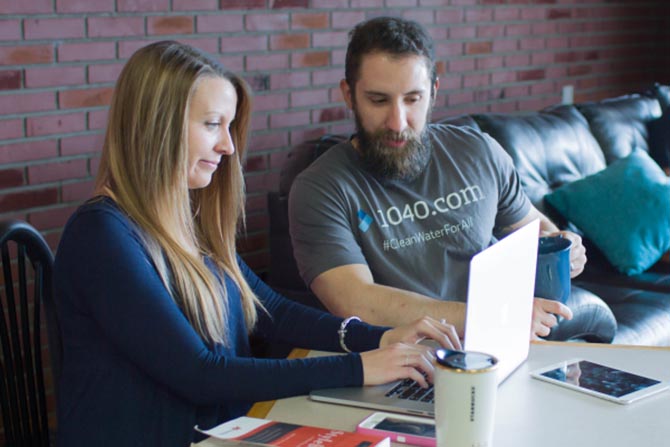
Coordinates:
(384, 226)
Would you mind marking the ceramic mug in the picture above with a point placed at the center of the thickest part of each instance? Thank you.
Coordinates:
(552, 278)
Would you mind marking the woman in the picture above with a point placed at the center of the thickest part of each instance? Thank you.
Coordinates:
(156, 306)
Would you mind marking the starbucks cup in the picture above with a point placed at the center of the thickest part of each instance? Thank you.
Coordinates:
(465, 398)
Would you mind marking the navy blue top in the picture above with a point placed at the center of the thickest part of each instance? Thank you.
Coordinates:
(135, 372)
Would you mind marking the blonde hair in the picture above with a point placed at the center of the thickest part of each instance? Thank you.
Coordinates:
(144, 169)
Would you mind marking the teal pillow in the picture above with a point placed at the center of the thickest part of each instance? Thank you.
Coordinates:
(623, 209)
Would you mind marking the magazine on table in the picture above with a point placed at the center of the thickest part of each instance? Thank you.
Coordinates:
(247, 432)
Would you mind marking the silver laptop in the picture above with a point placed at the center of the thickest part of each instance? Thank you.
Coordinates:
(498, 322)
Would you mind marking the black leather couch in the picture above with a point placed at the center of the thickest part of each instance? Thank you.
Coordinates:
(549, 148)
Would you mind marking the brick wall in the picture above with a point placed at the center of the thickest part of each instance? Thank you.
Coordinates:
(59, 60)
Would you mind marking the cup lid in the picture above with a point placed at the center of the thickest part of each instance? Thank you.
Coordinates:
(466, 360)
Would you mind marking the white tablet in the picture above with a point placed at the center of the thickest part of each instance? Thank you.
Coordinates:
(599, 380)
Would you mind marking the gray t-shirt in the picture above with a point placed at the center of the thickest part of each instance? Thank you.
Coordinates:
(417, 236)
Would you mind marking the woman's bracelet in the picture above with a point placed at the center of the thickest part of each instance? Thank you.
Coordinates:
(342, 331)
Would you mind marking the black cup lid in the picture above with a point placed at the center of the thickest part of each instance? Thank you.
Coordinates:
(465, 360)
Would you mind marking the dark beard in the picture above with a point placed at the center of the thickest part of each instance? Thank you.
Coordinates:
(393, 164)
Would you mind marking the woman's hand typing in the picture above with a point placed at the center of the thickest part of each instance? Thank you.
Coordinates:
(398, 361)
(401, 356)
(439, 330)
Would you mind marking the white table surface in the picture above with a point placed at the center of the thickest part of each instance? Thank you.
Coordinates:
(534, 413)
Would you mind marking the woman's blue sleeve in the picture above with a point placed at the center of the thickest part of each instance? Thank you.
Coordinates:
(298, 325)
(105, 278)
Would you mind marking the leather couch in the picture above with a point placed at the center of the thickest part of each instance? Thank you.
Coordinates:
(550, 148)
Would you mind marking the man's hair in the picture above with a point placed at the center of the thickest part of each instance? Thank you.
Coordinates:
(391, 35)
(144, 169)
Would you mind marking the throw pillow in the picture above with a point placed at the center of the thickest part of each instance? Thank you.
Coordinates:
(623, 209)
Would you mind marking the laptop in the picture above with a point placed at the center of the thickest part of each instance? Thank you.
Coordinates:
(498, 322)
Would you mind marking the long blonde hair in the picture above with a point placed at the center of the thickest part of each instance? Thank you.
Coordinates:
(144, 169)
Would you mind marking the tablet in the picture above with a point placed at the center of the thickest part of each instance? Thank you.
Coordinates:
(601, 381)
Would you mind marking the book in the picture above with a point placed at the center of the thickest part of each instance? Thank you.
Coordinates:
(247, 431)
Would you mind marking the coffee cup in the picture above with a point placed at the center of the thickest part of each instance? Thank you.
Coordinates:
(552, 277)
(465, 398)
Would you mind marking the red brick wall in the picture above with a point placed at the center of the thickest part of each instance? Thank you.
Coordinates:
(59, 60)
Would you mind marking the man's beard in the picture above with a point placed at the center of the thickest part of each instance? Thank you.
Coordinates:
(387, 163)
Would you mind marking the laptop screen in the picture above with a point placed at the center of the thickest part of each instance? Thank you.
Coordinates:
(500, 298)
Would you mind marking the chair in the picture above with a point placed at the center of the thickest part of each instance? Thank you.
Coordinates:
(26, 286)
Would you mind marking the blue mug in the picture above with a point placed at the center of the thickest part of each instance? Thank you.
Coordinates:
(552, 278)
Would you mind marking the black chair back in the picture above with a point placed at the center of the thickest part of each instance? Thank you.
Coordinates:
(27, 264)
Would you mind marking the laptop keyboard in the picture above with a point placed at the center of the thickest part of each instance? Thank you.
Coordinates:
(411, 390)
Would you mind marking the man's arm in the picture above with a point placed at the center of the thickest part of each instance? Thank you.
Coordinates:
(350, 290)
(546, 226)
